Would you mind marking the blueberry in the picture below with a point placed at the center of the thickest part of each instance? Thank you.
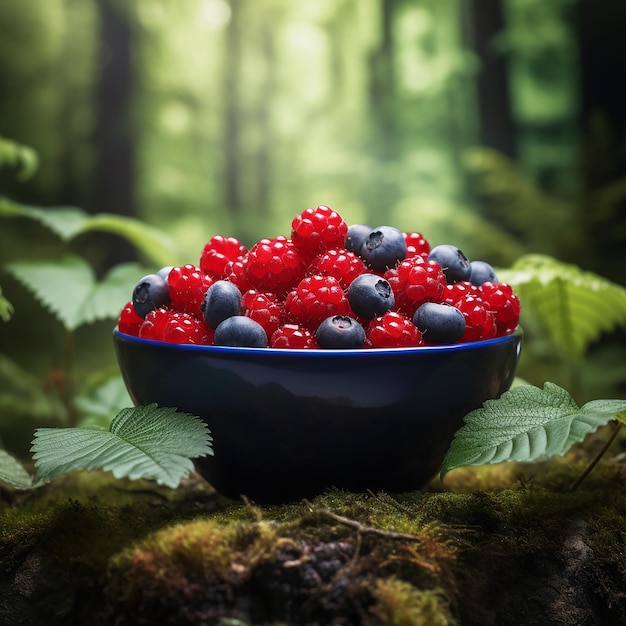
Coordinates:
(439, 322)
(340, 331)
(383, 248)
(455, 264)
(150, 293)
(164, 272)
(222, 300)
(481, 272)
(240, 331)
(357, 234)
(370, 295)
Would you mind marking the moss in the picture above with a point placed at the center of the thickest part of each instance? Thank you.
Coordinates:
(397, 603)
(90, 549)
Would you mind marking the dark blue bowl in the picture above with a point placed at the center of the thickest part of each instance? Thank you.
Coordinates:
(288, 424)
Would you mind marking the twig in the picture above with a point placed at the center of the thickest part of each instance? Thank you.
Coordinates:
(607, 445)
(346, 521)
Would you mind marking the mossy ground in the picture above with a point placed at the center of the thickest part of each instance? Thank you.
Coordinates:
(505, 545)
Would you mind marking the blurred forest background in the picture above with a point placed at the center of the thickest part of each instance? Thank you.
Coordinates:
(499, 125)
(496, 125)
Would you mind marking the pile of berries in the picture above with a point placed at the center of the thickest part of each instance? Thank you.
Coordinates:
(328, 286)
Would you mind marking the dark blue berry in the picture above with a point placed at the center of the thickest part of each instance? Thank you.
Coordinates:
(383, 248)
(357, 234)
(240, 331)
(221, 300)
(481, 272)
(370, 295)
(340, 331)
(455, 264)
(164, 272)
(150, 293)
(439, 322)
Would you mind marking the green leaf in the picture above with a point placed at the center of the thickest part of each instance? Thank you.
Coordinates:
(69, 222)
(68, 289)
(575, 307)
(524, 424)
(6, 308)
(153, 243)
(65, 222)
(18, 156)
(142, 442)
(103, 400)
(12, 472)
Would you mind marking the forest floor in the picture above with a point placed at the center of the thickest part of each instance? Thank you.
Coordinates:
(498, 545)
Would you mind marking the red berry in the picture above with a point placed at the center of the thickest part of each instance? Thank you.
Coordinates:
(129, 322)
(274, 265)
(316, 298)
(504, 304)
(292, 336)
(187, 286)
(345, 266)
(264, 308)
(316, 230)
(235, 272)
(185, 328)
(414, 282)
(154, 324)
(454, 292)
(416, 245)
(480, 321)
(217, 254)
(393, 330)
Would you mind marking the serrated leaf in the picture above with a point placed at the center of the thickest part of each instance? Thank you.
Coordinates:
(525, 424)
(142, 442)
(69, 222)
(68, 288)
(153, 243)
(65, 222)
(13, 473)
(574, 306)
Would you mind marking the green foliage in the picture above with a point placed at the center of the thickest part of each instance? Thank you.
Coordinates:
(6, 308)
(18, 157)
(70, 222)
(527, 423)
(69, 290)
(575, 307)
(12, 472)
(141, 442)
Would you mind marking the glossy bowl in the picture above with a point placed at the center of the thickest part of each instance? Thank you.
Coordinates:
(289, 424)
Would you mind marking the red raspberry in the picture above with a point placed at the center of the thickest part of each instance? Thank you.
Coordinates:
(187, 285)
(393, 330)
(217, 254)
(415, 281)
(416, 245)
(235, 272)
(316, 298)
(504, 304)
(316, 230)
(274, 265)
(263, 308)
(454, 292)
(185, 328)
(480, 321)
(129, 322)
(345, 266)
(153, 326)
(292, 336)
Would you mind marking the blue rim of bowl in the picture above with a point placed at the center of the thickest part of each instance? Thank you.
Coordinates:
(317, 352)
